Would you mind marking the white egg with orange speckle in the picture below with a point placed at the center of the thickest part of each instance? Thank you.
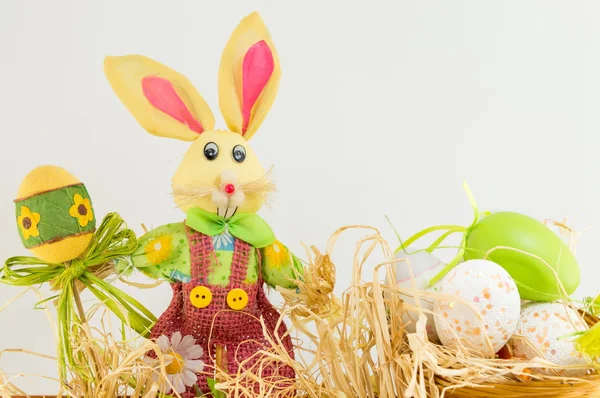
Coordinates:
(547, 327)
(483, 309)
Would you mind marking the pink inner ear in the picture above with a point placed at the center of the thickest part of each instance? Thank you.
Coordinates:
(257, 70)
(162, 95)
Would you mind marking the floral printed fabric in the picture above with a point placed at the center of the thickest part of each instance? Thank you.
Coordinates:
(163, 253)
(54, 215)
(28, 222)
(280, 266)
(223, 241)
(82, 210)
(221, 272)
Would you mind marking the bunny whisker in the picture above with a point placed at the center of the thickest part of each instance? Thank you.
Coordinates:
(192, 191)
(184, 200)
(263, 187)
(188, 193)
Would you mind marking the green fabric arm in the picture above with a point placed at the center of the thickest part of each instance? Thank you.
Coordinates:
(163, 253)
(280, 267)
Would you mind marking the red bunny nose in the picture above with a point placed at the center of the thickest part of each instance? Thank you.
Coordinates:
(229, 189)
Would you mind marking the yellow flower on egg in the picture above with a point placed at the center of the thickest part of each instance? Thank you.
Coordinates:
(277, 255)
(82, 210)
(28, 222)
(159, 249)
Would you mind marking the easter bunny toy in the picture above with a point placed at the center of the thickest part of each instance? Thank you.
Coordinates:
(219, 257)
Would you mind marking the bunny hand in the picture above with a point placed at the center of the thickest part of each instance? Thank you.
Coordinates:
(280, 267)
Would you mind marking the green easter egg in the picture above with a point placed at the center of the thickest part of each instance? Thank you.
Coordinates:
(535, 277)
(54, 214)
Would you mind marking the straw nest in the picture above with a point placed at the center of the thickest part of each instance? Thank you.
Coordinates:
(354, 345)
(358, 346)
(115, 361)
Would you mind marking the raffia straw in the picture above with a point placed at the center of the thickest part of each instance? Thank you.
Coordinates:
(364, 351)
(142, 285)
(354, 345)
(101, 271)
(7, 388)
(122, 370)
(341, 359)
(315, 291)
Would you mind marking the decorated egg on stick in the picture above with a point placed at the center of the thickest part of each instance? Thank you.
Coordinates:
(478, 307)
(54, 214)
(546, 331)
(412, 276)
(56, 222)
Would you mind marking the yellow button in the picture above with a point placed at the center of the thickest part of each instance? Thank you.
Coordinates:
(237, 299)
(200, 296)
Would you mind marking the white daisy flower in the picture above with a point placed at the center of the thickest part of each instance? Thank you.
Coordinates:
(181, 356)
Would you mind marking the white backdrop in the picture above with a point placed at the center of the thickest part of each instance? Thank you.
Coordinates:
(384, 108)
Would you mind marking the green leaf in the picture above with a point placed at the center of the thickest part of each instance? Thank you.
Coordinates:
(216, 393)
(593, 305)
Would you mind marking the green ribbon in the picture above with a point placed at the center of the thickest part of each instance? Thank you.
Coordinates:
(449, 230)
(248, 227)
(111, 242)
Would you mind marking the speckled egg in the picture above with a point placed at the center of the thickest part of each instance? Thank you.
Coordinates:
(423, 266)
(485, 309)
(545, 326)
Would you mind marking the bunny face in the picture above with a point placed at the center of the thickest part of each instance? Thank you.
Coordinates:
(219, 172)
(215, 173)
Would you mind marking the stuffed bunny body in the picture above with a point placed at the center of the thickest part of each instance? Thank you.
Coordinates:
(218, 259)
(223, 298)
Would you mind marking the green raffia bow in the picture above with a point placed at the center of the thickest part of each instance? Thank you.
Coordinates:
(111, 242)
(588, 343)
(449, 230)
(248, 227)
(592, 305)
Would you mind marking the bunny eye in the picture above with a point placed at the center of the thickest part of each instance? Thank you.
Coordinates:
(211, 151)
(239, 153)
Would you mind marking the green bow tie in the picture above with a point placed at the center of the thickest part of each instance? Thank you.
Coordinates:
(248, 227)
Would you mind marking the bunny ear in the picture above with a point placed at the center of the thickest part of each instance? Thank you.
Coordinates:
(163, 101)
(248, 76)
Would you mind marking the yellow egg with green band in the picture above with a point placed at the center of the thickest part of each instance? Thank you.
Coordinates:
(54, 214)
